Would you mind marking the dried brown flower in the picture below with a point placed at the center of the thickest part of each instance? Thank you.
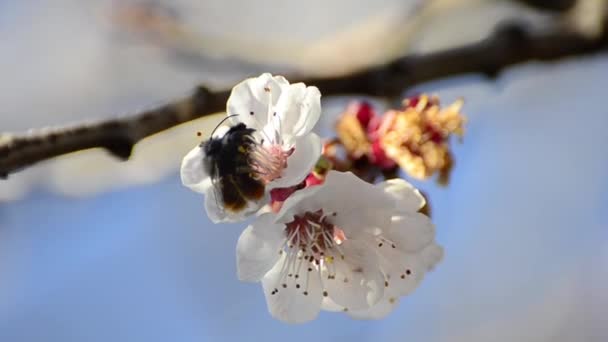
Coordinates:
(417, 137)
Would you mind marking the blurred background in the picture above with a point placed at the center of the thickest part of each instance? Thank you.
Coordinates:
(92, 249)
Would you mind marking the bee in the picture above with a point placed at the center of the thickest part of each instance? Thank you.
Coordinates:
(230, 163)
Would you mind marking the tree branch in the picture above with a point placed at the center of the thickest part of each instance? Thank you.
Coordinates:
(550, 5)
(510, 44)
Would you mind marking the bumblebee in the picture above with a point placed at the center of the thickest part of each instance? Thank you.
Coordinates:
(230, 162)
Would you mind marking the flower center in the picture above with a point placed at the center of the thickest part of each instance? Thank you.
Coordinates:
(312, 243)
(313, 234)
(268, 162)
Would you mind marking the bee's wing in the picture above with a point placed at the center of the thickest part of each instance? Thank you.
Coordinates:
(215, 183)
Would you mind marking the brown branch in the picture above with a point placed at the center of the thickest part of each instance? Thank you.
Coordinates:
(550, 5)
(509, 45)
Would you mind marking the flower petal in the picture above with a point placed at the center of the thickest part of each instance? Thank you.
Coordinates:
(329, 305)
(193, 172)
(218, 214)
(253, 98)
(355, 281)
(301, 162)
(403, 271)
(298, 110)
(257, 249)
(385, 306)
(431, 256)
(358, 205)
(408, 198)
(411, 232)
(291, 304)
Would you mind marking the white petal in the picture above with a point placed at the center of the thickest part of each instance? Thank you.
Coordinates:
(290, 304)
(257, 249)
(404, 271)
(411, 232)
(358, 205)
(252, 96)
(431, 256)
(301, 162)
(298, 110)
(358, 282)
(218, 214)
(385, 306)
(192, 171)
(408, 198)
(329, 305)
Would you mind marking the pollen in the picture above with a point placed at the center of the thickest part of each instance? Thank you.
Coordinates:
(268, 161)
(313, 234)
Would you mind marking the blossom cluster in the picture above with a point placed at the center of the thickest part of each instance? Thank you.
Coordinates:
(414, 138)
(317, 240)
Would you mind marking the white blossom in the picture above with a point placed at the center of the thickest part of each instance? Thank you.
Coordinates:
(346, 245)
(282, 150)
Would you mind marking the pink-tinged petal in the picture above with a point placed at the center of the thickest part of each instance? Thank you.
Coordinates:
(289, 303)
(300, 163)
(258, 247)
(379, 158)
(365, 113)
(312, 180)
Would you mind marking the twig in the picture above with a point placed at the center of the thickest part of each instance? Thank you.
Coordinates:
(510, 44)
(551, 5)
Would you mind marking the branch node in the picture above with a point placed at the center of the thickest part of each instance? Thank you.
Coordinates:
(119, 147)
